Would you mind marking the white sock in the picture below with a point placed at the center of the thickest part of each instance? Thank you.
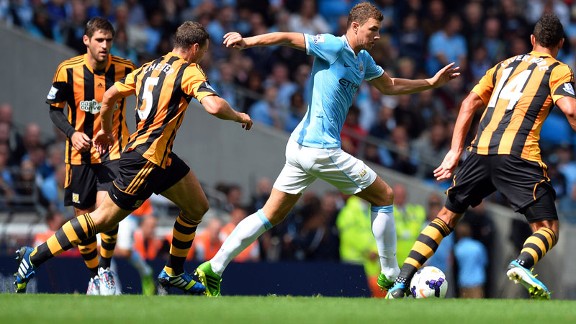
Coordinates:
(245, 233)
(384, 230)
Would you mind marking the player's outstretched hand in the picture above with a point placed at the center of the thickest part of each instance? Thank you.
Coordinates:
(234, 39)
(103, 141)
(245, 120)
(449, 164)
(445, 74)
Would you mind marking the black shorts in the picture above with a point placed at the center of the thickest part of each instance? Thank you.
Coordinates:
(85, 180)
(521, 181)
(138, 178)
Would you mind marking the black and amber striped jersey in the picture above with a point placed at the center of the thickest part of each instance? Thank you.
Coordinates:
(163, 88)
(519, 93)
(77, 86)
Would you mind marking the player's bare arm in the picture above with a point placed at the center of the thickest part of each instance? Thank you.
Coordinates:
(469, 106)
(220, 108)
(104, 139)
(295, 40)
(395, 86)
(568, 107)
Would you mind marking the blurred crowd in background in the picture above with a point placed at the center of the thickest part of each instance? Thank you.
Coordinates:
(409, 133)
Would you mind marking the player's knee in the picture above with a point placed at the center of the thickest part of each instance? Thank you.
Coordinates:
(201, 208)
(388, 193)
(102, 221)
(379, 194)
(385, 196)
(196, 210)
(99, 221)
(103, 225)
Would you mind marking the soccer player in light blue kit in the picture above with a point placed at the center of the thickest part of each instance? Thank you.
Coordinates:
(314, 149)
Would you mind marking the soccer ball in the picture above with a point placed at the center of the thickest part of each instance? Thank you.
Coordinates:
(429, 282)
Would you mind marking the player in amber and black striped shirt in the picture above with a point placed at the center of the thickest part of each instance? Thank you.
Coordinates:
(517, 95)
(163, 87)
(79, 86)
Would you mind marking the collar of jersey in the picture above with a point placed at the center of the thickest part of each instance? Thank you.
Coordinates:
(539, 54)
(174, 54)
(99, 72)
(348, 47)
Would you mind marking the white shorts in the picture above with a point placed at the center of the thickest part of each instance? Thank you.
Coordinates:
(126, 228)
(304, 164)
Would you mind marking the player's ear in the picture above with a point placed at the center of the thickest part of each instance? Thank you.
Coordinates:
(86, 40)
(195, 49)
(354, 25)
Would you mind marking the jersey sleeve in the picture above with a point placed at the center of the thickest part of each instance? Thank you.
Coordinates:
(324, 46)
(195, 83)
(60, 90)
(127, 85)
(485, 86)
(373, 70)
(562, 82)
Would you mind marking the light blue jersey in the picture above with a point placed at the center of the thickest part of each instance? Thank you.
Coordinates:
(337, 73)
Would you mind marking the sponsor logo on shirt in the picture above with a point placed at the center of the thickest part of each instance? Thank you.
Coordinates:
(92, 106)
(349, 85)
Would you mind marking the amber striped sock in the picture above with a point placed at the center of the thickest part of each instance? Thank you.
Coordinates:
(424, 248)
(183, 234)
(107, 247)
(536, 246)
(69, 235)
(89, 252)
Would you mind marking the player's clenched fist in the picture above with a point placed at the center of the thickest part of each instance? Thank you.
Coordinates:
(80, 141)
(245, 120)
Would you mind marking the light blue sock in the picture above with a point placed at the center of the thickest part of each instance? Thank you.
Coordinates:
(245, 233)
(384, 230)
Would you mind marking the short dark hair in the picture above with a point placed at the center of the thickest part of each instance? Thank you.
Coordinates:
(548, 30)
(363, 11)
(98, 23)
(190, 33)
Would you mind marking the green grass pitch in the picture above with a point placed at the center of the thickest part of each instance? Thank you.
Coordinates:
(49, 308)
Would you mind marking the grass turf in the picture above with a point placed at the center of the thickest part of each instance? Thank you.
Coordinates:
(54, 308)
